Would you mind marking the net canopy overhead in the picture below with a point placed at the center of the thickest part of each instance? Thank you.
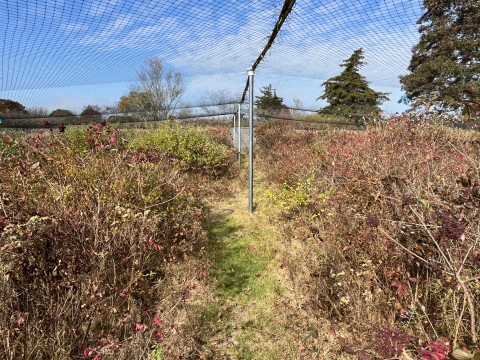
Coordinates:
(70, 53)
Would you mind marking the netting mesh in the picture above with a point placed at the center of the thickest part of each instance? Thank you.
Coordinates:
(321, 34)
(70, 53)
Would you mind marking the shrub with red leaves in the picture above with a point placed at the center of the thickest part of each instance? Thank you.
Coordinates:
(450, 229)
(407, 200)
(47, 126)
(372, 221)
(390, 342)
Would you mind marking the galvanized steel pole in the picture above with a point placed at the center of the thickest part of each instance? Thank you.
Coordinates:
(239, 135)
(250, 141)
(234, 137)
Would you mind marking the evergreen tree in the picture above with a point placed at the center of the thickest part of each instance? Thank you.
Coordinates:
(269, 101)
(447, 58)
(349, 93)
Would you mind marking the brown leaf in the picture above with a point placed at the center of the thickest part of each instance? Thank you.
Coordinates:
(352, 350)
(368, 345)
(362, 355)
(332, 331)
(22, 318)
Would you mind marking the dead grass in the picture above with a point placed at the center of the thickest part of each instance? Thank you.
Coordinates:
(101, 242)
(369, 219)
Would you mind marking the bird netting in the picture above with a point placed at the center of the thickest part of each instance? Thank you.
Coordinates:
(66, 54)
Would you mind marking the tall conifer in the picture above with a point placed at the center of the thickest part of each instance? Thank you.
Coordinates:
(349, 93)
(269, 99)
(447, 58)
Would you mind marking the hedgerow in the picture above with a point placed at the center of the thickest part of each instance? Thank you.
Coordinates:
(92, 226)
(387, 230)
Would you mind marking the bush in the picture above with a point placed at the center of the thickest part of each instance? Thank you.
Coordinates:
(10, 108)
(219, 135)
(61, 113)
(87, 242)
(38, 111)
(91, 110)
(188, 146)
(386, 222)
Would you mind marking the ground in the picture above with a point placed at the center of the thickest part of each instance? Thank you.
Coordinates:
(253, 312)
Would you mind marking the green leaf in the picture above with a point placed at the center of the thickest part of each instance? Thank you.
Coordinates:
(424, 202)
(306, 336)
(466, 113)
(313, 331)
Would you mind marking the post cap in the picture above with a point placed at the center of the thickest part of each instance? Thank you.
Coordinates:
(251, 72)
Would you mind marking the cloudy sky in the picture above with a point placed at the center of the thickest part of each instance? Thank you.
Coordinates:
(70, 53)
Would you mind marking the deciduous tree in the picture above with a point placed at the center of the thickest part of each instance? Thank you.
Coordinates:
(157, 92)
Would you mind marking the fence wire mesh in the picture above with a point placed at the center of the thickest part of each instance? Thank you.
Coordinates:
(66, 54)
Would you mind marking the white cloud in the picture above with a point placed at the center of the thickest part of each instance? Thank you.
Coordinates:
(99, 7)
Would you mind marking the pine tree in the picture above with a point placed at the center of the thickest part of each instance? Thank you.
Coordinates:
(349, 93)
(269, 101)
(269, 104)
(447, 58)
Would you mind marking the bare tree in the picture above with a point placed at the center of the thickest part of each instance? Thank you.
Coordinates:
(157, 92)
(218, 102)
(38, 111)
(297, 112)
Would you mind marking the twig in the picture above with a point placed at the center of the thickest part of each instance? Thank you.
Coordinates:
(460, 281)
(86, 332)
(472, 309)
(3, 208)
(457, 327)
(466, 256)
(25, 339)
(161, 203)
(412, 253)
(433, 239)
(466, 156)
(426, 315)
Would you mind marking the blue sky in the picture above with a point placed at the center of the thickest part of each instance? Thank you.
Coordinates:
(70, 53)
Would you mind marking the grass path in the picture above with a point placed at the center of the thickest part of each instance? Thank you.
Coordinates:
(242, 322)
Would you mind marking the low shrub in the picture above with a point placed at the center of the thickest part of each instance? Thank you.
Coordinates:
(387, 227)
(219, 135)
(11, 108)
(61, 113)
(192, 147)
(90, 234)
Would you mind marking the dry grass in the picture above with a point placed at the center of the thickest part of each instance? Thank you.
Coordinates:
(382, 227)
(101, 239)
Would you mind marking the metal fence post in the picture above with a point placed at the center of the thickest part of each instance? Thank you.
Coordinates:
(234, 137)
(250, 141)
(239, 135)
